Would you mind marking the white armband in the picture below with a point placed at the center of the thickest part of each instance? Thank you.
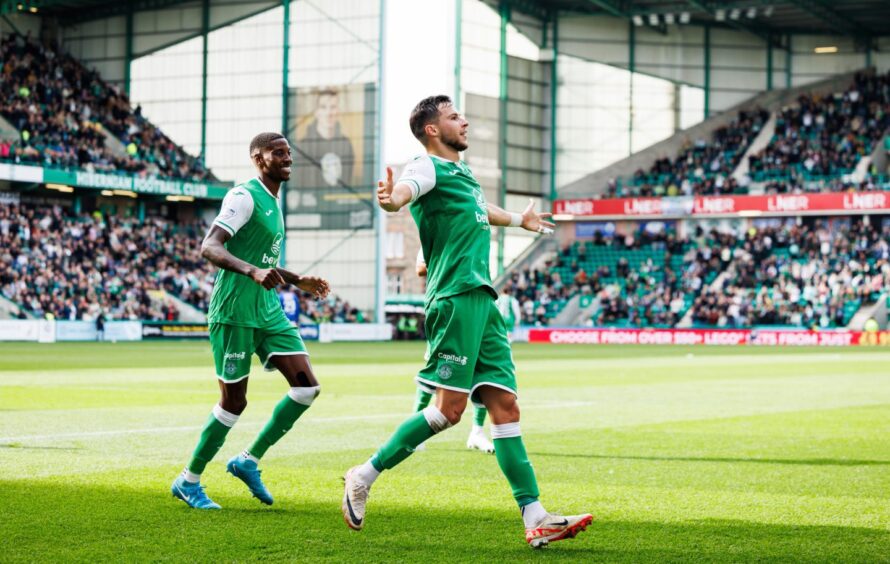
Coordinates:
(515, 219)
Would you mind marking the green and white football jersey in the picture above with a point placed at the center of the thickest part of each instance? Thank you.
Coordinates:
(252, 215)
(449, 207)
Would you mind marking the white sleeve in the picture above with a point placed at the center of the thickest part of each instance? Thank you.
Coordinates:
(420, 259)
(420, 175)
(236, 209)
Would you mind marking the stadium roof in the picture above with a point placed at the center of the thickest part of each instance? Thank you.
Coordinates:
(73, 11)
(860, 19)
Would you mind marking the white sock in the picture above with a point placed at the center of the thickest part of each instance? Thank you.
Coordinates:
(249, 456)
(191, 477)
(532, 514)
(367, 474)
(477, 430)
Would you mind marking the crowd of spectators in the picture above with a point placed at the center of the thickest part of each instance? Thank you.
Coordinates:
(791, 275)
(703, 167)
(826, 135)
(78, 266)
(59, 108)
(653, 293)
(799, 276)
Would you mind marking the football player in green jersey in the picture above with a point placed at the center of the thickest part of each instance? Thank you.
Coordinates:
(469, 353)
(245, 318)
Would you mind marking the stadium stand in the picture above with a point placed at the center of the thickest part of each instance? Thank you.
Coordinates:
(790, 276)
(799, 276)
(818, 141)
(72, 266)
(824, 137)
(60, 108)
(703, 167)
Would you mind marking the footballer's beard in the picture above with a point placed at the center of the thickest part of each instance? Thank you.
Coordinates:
(456, 143)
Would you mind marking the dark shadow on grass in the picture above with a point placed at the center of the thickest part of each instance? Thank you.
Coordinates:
(50, 522)
(793, 461)
(18, 446)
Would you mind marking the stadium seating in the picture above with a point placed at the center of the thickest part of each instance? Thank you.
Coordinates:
(703, 167)
(819, 139)
(779, 276)
(800, 276)
(73, 266)
(59, 108)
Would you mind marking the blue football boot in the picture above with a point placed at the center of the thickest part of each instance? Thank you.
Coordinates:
(192, 494)
(245, 470)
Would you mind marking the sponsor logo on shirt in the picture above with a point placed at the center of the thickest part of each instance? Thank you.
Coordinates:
(275, 250)
(455, 358)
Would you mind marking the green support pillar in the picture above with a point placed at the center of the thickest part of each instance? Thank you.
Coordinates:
(554, 81)
(379, 164)
(707, 71)
(458, 50)
(632, 67)
(78, 203)
(868, 61)
(769, 61)
(502, 119)
(205, 30)
(128, 49)
(788, 59)
(285, 68)
(140, 210)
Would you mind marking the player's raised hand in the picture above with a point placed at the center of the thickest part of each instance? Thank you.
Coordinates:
(268, 278)
(384, 192)
(537, 222)
(318, 287)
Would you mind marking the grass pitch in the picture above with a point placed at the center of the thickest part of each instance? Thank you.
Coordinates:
(683, 454)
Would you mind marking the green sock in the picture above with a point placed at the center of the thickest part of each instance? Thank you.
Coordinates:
(410, 433)
(515, 465)
(422, 399)
(212, 438)
(479, 416)
(283, 418)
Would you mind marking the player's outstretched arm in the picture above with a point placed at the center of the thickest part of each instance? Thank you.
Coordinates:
(392, 197)
(316, 286)
(213, 249)
(530, 220)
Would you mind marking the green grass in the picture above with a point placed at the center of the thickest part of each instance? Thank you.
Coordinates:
(683, 454)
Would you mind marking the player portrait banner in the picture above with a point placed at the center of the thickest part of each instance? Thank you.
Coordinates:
(757, 337)
(334, 141)
(726, 206)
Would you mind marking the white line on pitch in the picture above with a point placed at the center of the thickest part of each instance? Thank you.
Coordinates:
(154, 430)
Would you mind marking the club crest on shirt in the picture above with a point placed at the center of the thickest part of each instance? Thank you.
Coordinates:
(445, 371)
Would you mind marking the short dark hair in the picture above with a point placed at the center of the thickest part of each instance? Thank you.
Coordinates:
(262, 140)
(327, 92)
(426, 111)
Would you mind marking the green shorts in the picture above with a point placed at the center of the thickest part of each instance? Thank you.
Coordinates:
(467, 346)
(233, 346)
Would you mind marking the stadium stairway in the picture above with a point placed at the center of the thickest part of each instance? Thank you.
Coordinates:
(760, 142)
(11, 310)
(878, 310)
(7, 131)
(187, 312)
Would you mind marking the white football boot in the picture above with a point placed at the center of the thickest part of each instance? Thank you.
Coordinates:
(553, 528)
